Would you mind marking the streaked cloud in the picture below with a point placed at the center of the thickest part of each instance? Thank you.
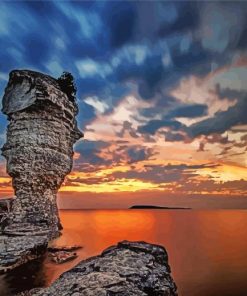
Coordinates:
(161, 89)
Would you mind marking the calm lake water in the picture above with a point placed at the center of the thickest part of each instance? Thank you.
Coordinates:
(207, 249)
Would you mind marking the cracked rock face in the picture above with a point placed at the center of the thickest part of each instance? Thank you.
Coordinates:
(15, 251)
(39, 147)
(130, 268)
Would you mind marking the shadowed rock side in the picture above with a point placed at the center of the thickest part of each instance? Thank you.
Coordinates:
(39, 147)
(15, 251)
(130, 268)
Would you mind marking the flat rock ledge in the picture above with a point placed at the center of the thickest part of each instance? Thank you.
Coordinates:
(130, 268)
(15, 251)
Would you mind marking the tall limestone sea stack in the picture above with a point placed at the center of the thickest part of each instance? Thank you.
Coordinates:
(39, 148)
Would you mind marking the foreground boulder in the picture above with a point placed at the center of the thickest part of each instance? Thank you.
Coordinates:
(130, 268)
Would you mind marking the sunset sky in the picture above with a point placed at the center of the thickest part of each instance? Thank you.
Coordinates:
(162, 92)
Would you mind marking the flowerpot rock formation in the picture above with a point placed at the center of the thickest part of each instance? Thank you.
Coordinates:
(39, 147)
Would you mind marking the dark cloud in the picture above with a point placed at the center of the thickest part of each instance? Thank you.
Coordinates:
(118, 153)
(161, 104)
(187, 19)
(38, 49)
(86, 114)
(148, 47)
(120, 18)
(216, 138)
(190, 111)
(242, 43)
(174, 178)
(130, 154)
(211, 186)
(175, 137)
(127, 127)
(90, 159)
(163, 173)
(153, 125)
(107, 31)
(228, 93)
(176, 130)
(71, 181)
(136, 154)
(221, 121)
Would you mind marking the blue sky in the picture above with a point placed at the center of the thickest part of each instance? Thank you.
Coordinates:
(179, 66)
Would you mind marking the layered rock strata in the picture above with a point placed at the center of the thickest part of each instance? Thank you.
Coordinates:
(128, 269)
(39, 147)
(15, 251)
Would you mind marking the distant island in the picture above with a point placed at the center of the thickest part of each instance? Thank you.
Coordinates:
(146, 207)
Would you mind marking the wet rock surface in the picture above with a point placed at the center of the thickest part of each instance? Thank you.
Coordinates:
(60, 257)
(130, 268)
(39, 148)
(62, 254)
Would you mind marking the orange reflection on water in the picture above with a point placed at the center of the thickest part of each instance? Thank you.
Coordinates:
(206, 248)
(121, 224)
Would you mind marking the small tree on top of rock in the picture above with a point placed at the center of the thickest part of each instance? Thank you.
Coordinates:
(67, 85)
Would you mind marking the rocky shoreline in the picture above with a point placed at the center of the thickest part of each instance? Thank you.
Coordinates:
(39, 152)
(127, 269)
(17, 250)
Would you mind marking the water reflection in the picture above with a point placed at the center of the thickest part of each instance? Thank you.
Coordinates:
(207, 249)
(25, 277)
